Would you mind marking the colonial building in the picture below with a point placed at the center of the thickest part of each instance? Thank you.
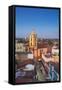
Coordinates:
(20, 47)
(33, 40)
(55, 50)
(33, 46)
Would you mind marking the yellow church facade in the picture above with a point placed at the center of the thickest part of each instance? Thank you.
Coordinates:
(33, 46)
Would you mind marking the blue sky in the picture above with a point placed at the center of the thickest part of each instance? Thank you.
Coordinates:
(45, 22)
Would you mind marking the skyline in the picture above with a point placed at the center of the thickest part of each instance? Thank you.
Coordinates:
(45, 22)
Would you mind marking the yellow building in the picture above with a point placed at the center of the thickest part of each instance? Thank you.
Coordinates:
(33, 46)
(37, 53)
(33, 40)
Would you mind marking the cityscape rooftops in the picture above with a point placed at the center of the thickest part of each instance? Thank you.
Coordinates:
(23, 53)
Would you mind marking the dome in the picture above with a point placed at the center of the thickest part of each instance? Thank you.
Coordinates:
(33, 32)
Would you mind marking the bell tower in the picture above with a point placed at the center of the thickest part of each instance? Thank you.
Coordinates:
(33, 40)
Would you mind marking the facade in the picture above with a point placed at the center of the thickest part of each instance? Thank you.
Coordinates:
(55, 50)
(20, 47)
(33, 46)
(44, 50)
(33, 40)
(37, 54)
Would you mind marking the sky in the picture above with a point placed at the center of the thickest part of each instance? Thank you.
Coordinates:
(45, 22)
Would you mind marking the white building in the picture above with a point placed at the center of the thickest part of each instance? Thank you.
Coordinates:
(30, 56)
(55, 50)
(20, 47)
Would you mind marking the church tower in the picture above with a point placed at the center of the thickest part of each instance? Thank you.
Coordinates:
(33, 40)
